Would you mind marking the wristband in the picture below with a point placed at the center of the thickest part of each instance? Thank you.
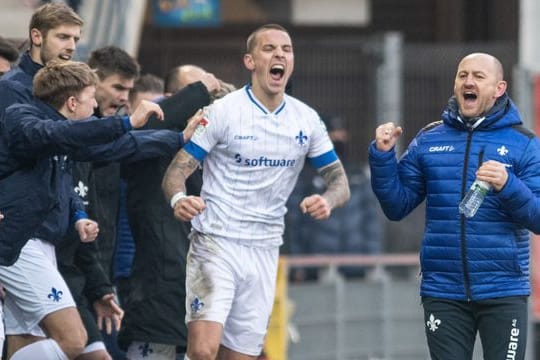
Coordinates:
(176, 197)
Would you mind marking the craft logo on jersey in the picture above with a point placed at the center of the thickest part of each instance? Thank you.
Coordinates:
(301, 138)
(245, 137)
(441, 148)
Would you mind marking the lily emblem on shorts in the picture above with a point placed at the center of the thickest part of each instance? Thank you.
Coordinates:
(433, 324)
(55, 295)
(196, 305)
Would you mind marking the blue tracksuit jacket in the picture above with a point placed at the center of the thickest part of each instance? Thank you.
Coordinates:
(486, 256)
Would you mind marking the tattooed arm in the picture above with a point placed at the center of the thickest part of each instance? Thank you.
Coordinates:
(174, 187)
(337, 192)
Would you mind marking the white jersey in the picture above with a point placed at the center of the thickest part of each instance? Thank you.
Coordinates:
(252, 159)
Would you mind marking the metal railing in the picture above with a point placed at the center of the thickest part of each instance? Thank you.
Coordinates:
(378, 317)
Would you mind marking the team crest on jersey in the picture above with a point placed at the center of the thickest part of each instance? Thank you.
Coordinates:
(201, 128)
(301, 138)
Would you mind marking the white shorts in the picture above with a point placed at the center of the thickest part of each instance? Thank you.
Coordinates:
(34, 289)
(234, 285)
(95, 346)
(140, 350)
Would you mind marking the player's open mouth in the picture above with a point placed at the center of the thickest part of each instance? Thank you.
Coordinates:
(277, 71)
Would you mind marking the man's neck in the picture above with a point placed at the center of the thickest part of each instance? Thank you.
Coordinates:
(270, 101)
(35, 54)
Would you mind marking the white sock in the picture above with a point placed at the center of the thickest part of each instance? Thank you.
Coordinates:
(43, 349)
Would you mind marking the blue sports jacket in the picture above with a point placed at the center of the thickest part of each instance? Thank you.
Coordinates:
(486, 256)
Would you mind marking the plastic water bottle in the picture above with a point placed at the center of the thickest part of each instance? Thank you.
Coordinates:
(474, 198)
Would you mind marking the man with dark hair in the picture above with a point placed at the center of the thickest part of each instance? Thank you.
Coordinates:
(117, 72)
(147, 87)
(8, 55)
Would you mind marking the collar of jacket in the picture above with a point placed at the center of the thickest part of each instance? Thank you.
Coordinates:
(50, 112)
(503, 114)
(28, 65)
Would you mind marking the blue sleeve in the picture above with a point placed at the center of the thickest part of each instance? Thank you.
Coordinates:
(30, 134)
(196, 151)
(127, 123)
(399, 187)
(133, 146)
(323, 160)
(77, 207)
(521, 193)
(12, 93)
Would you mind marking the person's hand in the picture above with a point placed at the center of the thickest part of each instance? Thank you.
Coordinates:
(316, 206)
(187, 208)
(211, 83)
(192, 124)
(224, 89)
(494, 173)
(88, 230)
(109, 313)
(142, 113)
(386, 136)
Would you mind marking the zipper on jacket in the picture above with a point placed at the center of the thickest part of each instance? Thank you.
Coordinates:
(465, 265)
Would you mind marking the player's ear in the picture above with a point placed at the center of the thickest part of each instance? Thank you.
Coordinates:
(248, 62)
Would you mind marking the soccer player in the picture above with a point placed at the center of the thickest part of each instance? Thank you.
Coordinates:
(254, 146)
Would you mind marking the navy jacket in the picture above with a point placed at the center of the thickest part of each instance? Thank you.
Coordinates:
(486, 256)
(16, 85)
(36, 156)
